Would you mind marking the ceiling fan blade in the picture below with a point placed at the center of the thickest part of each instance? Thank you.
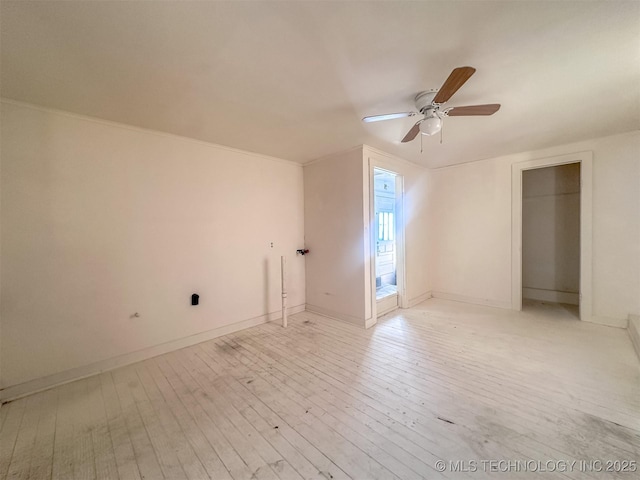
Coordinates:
(488, 109)
(456, 79)
(388, 116)
(411, 134)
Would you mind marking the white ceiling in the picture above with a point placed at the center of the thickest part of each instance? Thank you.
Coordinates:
(293, 79)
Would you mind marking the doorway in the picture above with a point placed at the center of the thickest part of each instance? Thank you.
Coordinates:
(551, 237)
(584, 167)
(385, 201)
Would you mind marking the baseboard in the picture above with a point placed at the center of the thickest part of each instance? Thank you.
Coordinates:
(43, 383)
(325, 312)
(634, 332)
(370, 323)
(419, 299)
(607, 321)
(473, 300)
(553, 296)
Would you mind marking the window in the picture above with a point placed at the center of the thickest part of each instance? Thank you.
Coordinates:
(385, 226)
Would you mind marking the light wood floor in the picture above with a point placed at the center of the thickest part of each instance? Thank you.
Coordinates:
(325, 400)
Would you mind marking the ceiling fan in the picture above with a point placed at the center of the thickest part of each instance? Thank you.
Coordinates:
(429, 105)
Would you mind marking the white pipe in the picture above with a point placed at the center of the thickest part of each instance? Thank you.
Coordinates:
(283, 264)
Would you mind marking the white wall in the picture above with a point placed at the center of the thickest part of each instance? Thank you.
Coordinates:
(551, 233)
(334, 234)
(471, 213)
(101, 220)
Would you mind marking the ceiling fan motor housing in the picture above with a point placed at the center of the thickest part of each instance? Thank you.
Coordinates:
(424, 100)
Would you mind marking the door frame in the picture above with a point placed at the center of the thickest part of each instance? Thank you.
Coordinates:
(585, 159)
(375, 163)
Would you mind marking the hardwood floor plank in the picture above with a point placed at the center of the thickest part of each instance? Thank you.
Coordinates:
(323, 399)
(399, 420)
(23, 449)
(425, 379)
(163, 446)
(122, 447)
(145, 455)
(269, 418)
(259, 465)
(190, 462)
(266, 451)
(3, 414)
(201, 446)
(375, 446)
(614, 452)
(208, 395)
(348, 456)
(64, 441)
(84, 465)
(42, 455)
(411, 407)
(105, 458)
(357, 410)
(477, 361)
(9, 433)
(193, 395)
(463, 442)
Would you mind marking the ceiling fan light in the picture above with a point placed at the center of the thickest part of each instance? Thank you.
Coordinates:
(431, 125)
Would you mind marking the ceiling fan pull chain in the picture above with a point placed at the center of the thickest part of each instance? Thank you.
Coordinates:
(441, 133)
(421, 143)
